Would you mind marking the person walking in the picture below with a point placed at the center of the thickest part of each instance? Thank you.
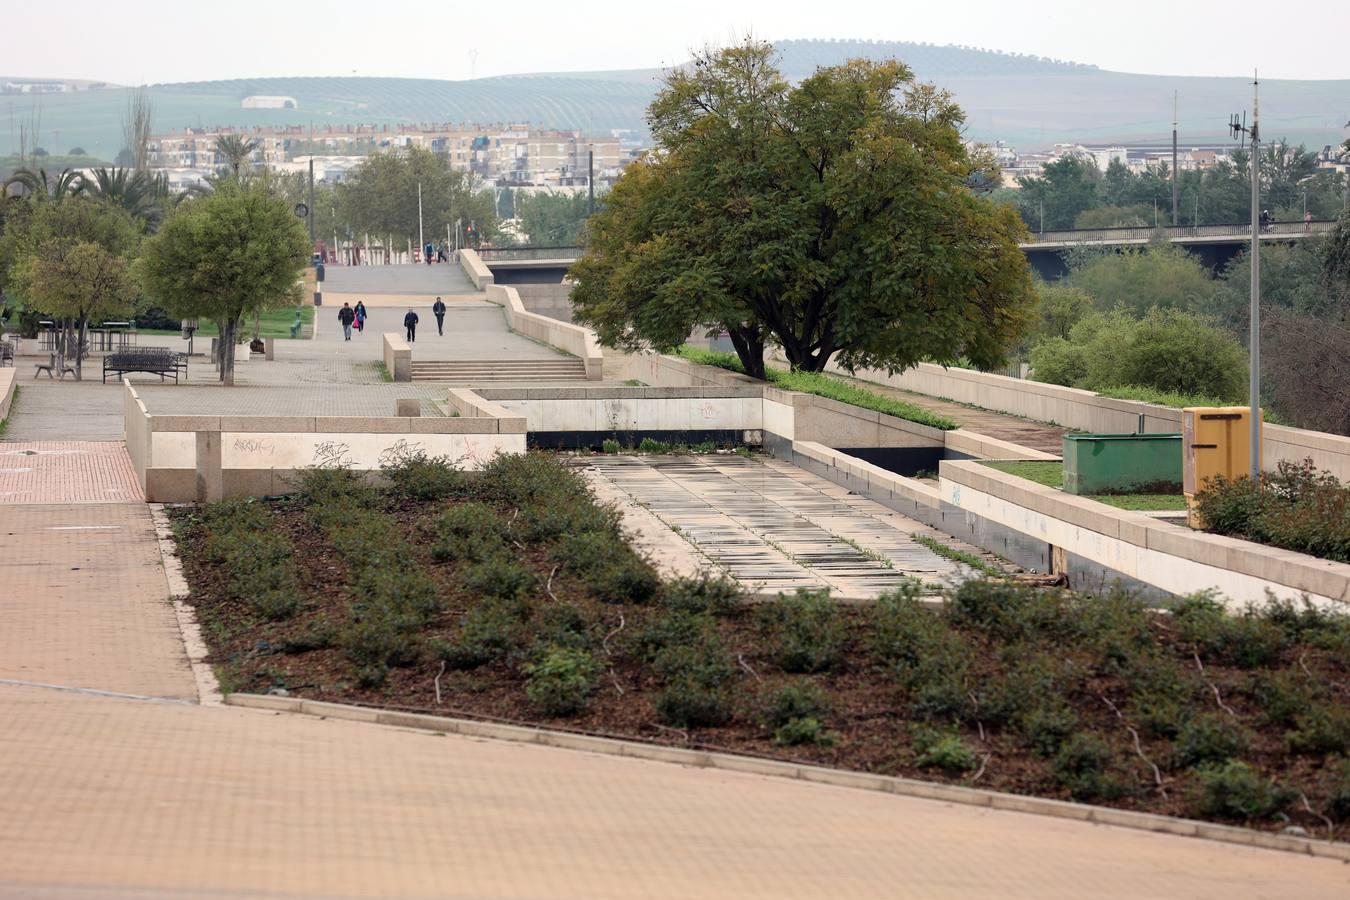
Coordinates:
(360, 311)
(439, 309)
(346, 316)
(1307, 220)
(440, 253)
(410, 323)
(427, 252)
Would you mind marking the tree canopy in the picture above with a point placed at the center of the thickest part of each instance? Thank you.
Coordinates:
(552, 218)
(1158, 275)
(829, 218)
(237, 251)
(379, 197)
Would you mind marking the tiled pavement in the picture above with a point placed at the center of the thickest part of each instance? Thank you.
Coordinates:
(66, 472)
(776, 527)
(112, 798)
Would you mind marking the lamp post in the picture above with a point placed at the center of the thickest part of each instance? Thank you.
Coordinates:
(1254, 318)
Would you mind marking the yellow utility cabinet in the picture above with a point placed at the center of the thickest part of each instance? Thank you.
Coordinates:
(1215, 440)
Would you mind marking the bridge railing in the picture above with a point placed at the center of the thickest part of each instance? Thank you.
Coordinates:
(1174, 232)
(488, 254)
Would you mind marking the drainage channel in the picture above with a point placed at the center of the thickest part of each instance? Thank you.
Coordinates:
(773, 527)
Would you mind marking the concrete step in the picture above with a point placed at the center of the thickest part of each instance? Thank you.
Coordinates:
(491, 371)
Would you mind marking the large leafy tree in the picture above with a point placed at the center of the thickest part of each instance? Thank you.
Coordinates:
(832, 218)
(379, 197)
(234, 252)
(50, 251)
(1158, 275)
(1065, 188)
(553, 218)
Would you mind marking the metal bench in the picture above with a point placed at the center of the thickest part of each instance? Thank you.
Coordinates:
(151, 361)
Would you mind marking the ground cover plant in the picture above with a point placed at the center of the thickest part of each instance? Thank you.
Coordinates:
(1051, 474)
(823, 385)
(512, 595)
(1297, 507)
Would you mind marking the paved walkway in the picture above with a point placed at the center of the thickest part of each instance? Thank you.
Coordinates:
(105, 797)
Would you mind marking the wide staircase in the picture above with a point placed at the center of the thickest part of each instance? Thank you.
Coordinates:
(500, 371)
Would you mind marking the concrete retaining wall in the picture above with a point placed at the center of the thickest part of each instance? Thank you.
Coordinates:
(1087, 411)
(259, 455)
(1171, 558)
(7, 385)
(397, 357)
(599, 410)
(579, 342)
(476, 269)
(552, 300)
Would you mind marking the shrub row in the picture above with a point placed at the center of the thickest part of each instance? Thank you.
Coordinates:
(258, 558)
(1297, 507)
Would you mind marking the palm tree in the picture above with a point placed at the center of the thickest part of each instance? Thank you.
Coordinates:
(140, 193)
(37, 183)
(236, 151)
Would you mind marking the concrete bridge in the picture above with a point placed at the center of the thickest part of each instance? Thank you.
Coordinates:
(1215, 245)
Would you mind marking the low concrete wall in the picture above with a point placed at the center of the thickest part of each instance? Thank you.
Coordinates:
(259, 455)
(551, 300)
(579, 342)
(1087, 411)
(620, 410)
(1171, 558)
(8, 380)
(397, 357)
(476, 269)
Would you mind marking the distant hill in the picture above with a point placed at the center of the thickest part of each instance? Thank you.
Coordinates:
(1027, 101)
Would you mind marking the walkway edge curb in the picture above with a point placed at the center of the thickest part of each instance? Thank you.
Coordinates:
(208, 688)
(905, 787)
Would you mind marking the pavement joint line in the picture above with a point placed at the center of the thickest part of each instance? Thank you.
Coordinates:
(94, 692)
(907, 787)
(208, 687)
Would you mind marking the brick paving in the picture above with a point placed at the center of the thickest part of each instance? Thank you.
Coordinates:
(100, 795)
(66, 472)
(85, 601)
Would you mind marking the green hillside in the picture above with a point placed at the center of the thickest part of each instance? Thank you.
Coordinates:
(1027, 101)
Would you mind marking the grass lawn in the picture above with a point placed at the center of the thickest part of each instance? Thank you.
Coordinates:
(1051, 474)
(823, 385)
(275, 323)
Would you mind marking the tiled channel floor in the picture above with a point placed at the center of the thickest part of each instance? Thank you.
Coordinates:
(775, 527)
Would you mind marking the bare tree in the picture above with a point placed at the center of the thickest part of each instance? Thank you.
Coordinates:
(136, 128)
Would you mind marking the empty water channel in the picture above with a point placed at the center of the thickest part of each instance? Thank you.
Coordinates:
(775, 527)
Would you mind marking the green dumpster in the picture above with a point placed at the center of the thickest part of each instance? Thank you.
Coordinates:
(1122, 463)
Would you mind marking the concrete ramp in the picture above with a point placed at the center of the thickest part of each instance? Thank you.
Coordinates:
(396, 285)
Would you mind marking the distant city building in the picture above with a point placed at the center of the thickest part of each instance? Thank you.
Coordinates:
(26, 86)
(260, 101)
(511, 155)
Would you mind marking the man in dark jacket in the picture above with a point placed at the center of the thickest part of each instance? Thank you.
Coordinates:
(439, 309)
(346, 316)
(410, 323)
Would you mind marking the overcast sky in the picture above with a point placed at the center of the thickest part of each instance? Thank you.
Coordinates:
(146, 42)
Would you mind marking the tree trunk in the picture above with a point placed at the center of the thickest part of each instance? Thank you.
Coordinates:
(749, 346)
(227, 371)
(81, 331)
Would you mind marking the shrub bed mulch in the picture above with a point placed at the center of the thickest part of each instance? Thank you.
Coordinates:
(1236, 718)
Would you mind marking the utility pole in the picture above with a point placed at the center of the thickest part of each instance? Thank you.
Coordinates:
(421, 241)
(1175, 220)
(1254, 322)
(590, 176)
(312, 240)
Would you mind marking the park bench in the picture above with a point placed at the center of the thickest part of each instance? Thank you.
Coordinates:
(149, 360)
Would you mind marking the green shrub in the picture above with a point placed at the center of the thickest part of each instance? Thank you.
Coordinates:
(672, 629)
(1209, 738)
(1297, 507)
(803, 731)
(795, 700)
(649, 445)
(1009, 610)
(1338, 795)
(1282, 695)
(945, 751)
(377, 640)
(412, 475)
(714, 594)
(1117, 625)
(561, 683)
(1247, 640)
(409, 592)
(275, 605)
(500, 576)
(320, 635)
(471, 531)
(1047, 725)
(544, 523)
(627, 579)
(524, 480)
(1083, 766)
(1234, 790)
(334, 485)
(486, 633)
(808, 633)
(609, 445)
(1324, 728)
(562, 625)
(903, 631)
(695, 677)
